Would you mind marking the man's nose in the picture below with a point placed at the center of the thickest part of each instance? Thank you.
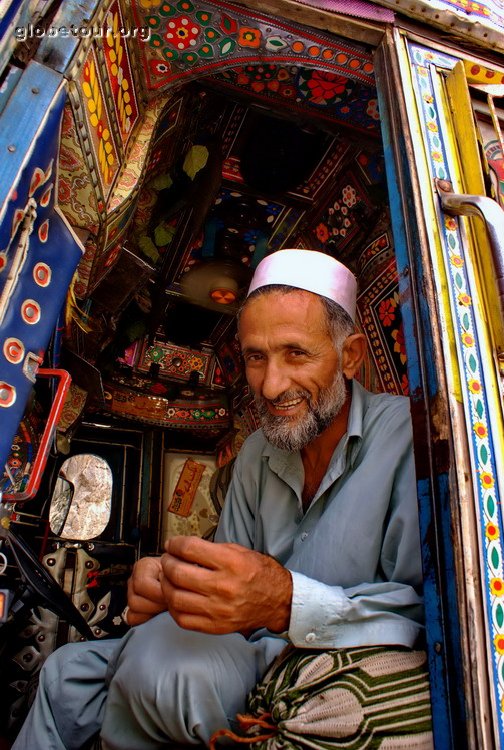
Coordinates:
(275, 382)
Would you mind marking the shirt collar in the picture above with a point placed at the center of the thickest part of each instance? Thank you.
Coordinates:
(356, 419)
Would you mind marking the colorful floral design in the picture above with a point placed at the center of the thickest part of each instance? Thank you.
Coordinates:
(372, 109)
(249, 37)
(499, 644)
(491, 531)
(387, 311)
(474, 386)
(349, 196)
(497, 586)
(159, 68)
(324, 87)
(322, 233)
(480, 430)
(195, 363)
(456, 260)
(487, 480)
(400, 345)
(182, 32)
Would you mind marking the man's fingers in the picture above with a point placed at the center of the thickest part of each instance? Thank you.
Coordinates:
(181, 601)
(147, 588)
(140, 604)
(194, 611)
(192, 549)
(209, 555)
(186, 575)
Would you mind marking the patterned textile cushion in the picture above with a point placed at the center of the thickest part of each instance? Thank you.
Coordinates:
(369, 697)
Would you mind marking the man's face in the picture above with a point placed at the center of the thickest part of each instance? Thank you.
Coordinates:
(291, 366)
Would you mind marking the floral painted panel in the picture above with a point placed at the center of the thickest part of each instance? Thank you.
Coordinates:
(379, 314)
(174, 361)
(188, 38)
(76, 194)
(326, 95)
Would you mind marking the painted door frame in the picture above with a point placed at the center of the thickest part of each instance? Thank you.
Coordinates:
(454, 390)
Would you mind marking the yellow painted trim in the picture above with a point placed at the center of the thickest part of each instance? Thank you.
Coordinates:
(479, 73)
(466, 152)
(466, 167)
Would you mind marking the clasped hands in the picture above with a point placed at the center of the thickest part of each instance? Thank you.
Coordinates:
(211, 587)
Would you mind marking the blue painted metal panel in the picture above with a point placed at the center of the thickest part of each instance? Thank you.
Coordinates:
(38, 250)
(14, 16)
(69, 27)
(10, 82)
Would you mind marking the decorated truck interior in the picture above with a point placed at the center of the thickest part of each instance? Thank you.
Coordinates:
(153, 156)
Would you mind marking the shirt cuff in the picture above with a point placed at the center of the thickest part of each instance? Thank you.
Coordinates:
(314, 606)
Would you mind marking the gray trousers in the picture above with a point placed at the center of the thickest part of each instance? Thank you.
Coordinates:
(158, 684)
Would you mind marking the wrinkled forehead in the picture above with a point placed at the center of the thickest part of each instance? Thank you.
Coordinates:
(275, 294)
(288, 308)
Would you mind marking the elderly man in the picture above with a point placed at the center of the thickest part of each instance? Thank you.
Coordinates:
(318, 542)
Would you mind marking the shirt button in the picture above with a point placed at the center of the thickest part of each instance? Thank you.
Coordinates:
(310, 637)
(304, 535)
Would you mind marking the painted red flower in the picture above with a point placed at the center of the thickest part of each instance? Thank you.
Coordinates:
(325, 86)
(159, 68)
(322, 232)
(386, 311)
(182, 32)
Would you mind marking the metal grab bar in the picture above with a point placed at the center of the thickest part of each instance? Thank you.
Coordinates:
(39, 462)
(492, 214)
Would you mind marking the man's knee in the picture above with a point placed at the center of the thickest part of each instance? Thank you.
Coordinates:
(159, 658)
(56, 666)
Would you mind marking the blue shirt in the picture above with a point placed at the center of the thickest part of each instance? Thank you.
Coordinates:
(355, 554)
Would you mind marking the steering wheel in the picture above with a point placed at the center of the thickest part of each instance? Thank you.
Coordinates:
(43, 586)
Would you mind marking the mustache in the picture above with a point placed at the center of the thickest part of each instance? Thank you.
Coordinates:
(283, 397)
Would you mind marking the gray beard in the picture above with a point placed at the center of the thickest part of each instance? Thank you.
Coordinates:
(291, 433)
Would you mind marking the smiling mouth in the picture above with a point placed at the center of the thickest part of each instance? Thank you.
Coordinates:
(286, 405)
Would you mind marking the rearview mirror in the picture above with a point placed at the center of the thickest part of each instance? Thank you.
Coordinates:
(82, 498)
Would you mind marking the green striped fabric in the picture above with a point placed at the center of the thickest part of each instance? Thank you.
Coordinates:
(355, 698)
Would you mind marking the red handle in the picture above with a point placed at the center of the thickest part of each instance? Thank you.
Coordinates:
(45, 441)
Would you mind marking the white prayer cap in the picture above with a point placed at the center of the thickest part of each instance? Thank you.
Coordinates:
(310, 270)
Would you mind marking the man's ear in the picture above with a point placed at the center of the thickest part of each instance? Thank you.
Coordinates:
(354, 351)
